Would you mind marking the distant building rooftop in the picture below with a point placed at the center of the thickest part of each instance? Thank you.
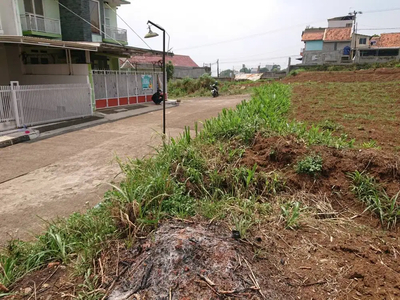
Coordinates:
(340, 34)
(313, 34)
(176, 59)
(387, 40)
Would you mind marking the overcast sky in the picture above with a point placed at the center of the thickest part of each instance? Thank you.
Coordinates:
(251, 32)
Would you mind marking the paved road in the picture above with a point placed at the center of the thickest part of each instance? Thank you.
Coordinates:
(67, 173)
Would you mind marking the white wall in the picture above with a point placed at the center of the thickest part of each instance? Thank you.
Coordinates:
(10, 19)
(56, 69)
(339, 23)
(52, 79)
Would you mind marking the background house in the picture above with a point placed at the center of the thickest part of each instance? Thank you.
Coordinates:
(338, 44)
(327, 45)
(184, 66)
(385, 47)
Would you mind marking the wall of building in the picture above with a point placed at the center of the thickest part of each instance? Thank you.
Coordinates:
(182, 72)
(357, 44)
(10, 19)
(314, 45)
(51, 9)
(320, 57)
(340, 23)
(27, 74)
(330, 46)
(375, 59)
(72, 27)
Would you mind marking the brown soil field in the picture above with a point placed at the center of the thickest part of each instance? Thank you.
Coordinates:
(363, 104)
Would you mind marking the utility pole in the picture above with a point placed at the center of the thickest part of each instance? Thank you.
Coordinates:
(218, 68)
(355, 13)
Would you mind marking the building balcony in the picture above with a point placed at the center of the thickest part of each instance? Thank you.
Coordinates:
(40, 26)
(115, 34)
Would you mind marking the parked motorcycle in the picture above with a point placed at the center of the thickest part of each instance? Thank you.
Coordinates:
(214, 90)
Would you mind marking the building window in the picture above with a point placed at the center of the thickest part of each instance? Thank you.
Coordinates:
(363, 41)
(335, 46)
(95, 16)
(107, 19)
(388, 52)
(34, 7)
(349, 24)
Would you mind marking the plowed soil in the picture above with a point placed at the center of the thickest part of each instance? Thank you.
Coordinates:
(364, 104)
(372, 75)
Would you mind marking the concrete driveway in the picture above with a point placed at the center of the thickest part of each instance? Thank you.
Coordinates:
(68, 173)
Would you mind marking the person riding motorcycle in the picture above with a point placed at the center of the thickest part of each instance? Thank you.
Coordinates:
(214, 89)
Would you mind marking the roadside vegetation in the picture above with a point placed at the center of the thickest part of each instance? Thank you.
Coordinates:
(202, 174)
(200, 87)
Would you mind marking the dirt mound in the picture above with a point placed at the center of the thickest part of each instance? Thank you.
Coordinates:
(379, 75)
(282, 153)
(190, 262)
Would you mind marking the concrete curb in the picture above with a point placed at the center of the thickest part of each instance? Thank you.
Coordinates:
(35, 134)
(15, 140)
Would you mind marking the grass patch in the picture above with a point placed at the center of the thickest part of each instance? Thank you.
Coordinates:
(375, 198)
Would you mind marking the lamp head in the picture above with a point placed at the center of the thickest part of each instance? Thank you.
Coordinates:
(150, 34)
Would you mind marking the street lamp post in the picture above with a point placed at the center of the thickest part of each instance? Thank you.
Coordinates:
(151, 34)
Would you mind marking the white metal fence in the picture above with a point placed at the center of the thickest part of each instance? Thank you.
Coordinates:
(36, 104)
(39, 23)
(113, 88)
(7, 119)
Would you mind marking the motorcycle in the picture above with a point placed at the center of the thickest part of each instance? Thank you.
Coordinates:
(214, 90)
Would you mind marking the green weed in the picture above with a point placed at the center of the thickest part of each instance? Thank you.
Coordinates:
(291, 213)
(375, 198)
(311, 164)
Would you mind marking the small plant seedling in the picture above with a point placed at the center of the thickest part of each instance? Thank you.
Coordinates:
(291, 214)
(310, 165)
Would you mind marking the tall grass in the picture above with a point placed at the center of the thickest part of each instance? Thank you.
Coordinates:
(375, 197)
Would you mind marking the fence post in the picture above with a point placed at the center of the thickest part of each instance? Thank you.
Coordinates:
(105, 86)
(14, 85)
(117, 76)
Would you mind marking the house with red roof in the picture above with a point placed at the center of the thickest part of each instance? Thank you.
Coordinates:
(381, 48)
(184, 66)
(328, 45)
(338, 44)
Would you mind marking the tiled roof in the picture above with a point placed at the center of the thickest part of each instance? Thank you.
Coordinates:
(313, 35)
(388, 40)
(337, 34)
(177, 60)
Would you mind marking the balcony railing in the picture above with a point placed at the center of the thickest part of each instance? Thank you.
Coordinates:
(115, 33)
(31, 22)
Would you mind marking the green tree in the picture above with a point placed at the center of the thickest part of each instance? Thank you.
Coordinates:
(244, 69)
(170, 70)
(226, 73)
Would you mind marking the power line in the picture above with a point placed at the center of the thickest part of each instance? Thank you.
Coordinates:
(258, 59)
(249, 36)
(74, 13)
(381, 10)
(128, 26)
(392, 28)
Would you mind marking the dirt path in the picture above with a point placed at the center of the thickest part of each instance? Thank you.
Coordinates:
(64, 174)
